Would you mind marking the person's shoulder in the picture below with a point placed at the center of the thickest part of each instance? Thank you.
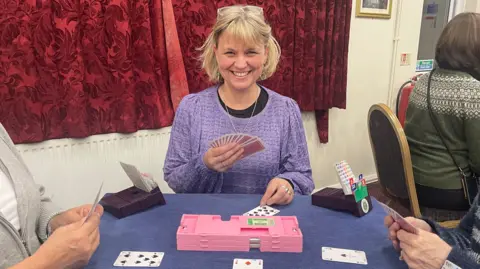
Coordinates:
(284, 108)
(455, 77)
(464, 85)
(473, 83)
(281, 101)
(193, 99)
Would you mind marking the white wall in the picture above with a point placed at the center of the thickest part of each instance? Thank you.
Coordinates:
(70, 169)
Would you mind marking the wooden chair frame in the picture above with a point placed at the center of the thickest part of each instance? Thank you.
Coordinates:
(406, 159)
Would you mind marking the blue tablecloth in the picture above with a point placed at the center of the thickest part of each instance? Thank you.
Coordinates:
(155, 230)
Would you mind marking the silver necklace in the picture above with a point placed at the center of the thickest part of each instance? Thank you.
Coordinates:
(249, 119)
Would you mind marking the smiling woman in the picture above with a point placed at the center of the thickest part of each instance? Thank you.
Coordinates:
(238, 53)
(243, 26)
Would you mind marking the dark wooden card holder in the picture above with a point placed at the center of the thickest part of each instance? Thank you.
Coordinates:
(131, 201)
(334, 199)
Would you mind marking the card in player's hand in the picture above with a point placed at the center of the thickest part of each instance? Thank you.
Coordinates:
(140, 181)
(250, 144)
(404, 224)
(94, 205)
(262, 211)
(139, 259)
(251, 147)
(247, 264)
(222, 140)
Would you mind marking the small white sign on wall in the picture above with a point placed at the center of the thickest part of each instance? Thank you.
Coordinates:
(405, 59)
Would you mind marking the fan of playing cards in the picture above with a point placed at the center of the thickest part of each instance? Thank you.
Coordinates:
(250, 144)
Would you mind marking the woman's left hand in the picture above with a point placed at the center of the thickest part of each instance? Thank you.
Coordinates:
(279, 192)
(424, 250)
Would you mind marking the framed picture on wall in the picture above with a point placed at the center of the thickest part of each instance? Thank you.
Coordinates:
(374, 9)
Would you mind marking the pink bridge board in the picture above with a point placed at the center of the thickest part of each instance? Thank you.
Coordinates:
(240, 233)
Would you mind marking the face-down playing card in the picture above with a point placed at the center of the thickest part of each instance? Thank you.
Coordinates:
(250, 144)
(252, 148)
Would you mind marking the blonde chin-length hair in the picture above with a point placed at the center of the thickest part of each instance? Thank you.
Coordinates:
(246, 23)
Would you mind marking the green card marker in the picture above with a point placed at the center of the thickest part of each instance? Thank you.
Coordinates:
(260, 222)
(361, 192)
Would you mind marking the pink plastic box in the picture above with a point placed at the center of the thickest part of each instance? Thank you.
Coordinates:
(240, 233)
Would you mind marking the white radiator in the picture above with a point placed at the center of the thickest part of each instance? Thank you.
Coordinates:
(72, 169)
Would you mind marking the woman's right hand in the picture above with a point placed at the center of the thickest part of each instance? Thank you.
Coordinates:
(72, 245)
(393, 227)
(222, 158)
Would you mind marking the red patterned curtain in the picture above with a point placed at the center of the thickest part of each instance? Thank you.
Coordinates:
(313, 34)
(78, 68)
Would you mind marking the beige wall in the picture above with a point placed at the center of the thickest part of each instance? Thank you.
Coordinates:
(472, 5)
(369, 79)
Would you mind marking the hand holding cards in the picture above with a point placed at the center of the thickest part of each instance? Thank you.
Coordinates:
(404, 224)
(250, 144)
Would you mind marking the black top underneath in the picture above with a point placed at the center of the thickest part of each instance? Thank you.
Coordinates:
(247, 113)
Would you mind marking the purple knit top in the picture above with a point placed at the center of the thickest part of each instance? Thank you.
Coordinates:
(200, 119)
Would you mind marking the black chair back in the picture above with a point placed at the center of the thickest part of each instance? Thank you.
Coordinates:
(392, 155)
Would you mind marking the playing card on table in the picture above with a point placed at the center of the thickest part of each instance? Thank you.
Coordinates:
(247, 264)
(262, 211)
(95, 203)
(405, 225)
(344, 255)
(139, 259)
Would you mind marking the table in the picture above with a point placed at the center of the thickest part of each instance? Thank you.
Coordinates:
(155, 230)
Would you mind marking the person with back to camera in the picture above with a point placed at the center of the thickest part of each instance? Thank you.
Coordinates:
(34, 233)
(454, 105)
(455, 96)
(238, 53)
